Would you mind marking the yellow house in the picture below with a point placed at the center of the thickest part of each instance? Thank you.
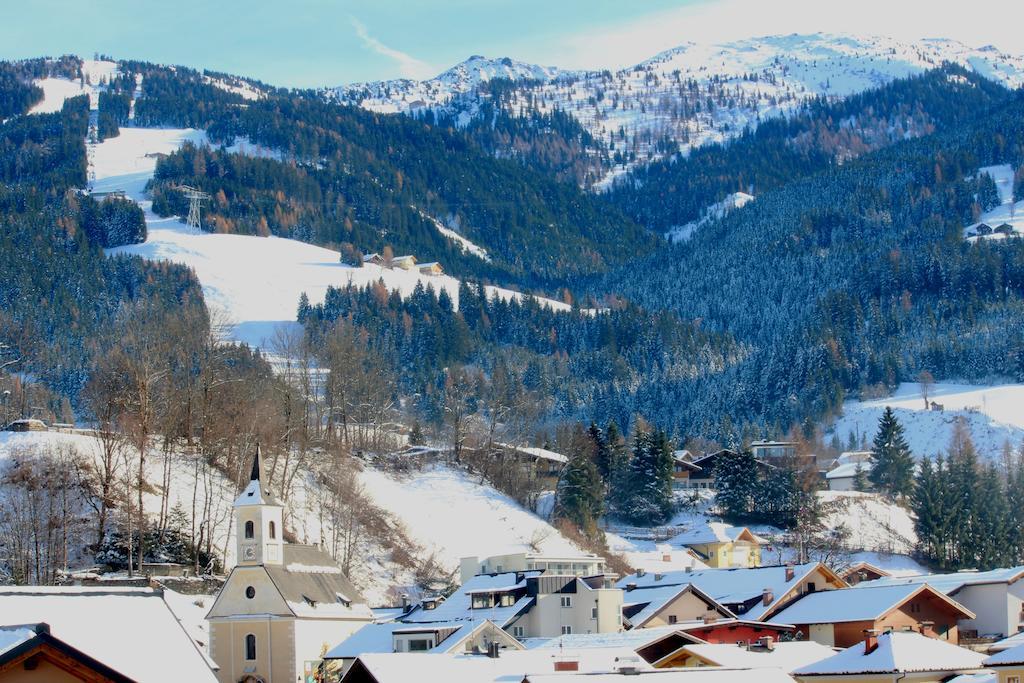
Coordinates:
(1008, 665)
(722, 545)
(282, 604)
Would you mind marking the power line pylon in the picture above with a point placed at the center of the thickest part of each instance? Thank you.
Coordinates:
(195, 199)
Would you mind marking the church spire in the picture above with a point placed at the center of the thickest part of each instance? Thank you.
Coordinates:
(256, 492)
(255, 476)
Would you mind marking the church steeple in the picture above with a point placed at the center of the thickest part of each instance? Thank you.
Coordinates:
(258, 521)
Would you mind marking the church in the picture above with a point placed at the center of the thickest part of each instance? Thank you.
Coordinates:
(282, 603)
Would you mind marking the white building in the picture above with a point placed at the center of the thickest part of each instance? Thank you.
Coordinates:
(574, 565)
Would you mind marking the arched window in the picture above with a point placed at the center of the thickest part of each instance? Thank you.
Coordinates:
(273, 530)
(249, 530)
(250, 592)
(250, 647)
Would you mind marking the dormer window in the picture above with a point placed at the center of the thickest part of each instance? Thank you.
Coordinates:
(309, 601)
(273, 530)
(481, 601)
(250, 529)
(342, 600)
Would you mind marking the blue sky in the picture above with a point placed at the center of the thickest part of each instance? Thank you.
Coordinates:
(328, 42)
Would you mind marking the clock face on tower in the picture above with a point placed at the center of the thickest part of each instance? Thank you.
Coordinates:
(249, 552)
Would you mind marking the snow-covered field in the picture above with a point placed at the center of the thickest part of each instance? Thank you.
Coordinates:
(454, 515)
(994, 414)
(255, 281)
(1009, 211)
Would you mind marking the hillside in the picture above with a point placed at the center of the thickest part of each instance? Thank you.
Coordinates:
(690, 95)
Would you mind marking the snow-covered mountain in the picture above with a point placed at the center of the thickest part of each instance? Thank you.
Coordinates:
(691, 94)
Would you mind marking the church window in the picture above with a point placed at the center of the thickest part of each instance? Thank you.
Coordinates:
(250, 647)
(250, 592)
(273, 530)
(250, 530)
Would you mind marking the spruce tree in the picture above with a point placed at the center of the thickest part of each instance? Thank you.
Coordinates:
(647, 496)
(579, 496)
(860, 478)
(735, 484)
(603, 454)
(893, 472)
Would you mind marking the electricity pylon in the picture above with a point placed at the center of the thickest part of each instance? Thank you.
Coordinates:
(195, 199)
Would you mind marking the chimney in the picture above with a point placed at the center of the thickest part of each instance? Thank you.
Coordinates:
(659, 577)
(405, 603)
(640, 573)
(928, 629)
(493, 650)
(870, 640)
(689, 569)
(567, 665)
(766, 642)
(630, 586)
(666, 557)
(767, 597)
(790, 573)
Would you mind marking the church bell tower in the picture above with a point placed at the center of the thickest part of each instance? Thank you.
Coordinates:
(258, 522)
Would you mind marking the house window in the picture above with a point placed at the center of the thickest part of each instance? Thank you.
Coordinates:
(672, 619)
(1013, 679)
(250, 531)
(507, 600)
(420, 645)
(566, 630)
(250, 647)
(482, 601)
(566, 601)
(811, 587)
(518, 631)
(593, 613)
(250, 592)
(273, 530)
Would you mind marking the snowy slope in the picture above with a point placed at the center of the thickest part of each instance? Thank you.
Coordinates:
(454, 515)
(992, 413)
(256, 281)
(736, 200)
(95, 76)
(1010, 209)
(666, 96)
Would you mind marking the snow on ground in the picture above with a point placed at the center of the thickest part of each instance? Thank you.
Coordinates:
(237, 86)
(55, 91)
(874, 524)
(464, 243)
(455, 515)
(736, 200)
(992, 413)
(1008, 211)
(256, 281)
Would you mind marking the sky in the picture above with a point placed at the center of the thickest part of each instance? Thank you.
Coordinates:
(311, 43)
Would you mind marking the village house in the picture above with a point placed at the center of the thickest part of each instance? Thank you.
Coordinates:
(759, 654)
(769, 450)
(839, 618)
(431, 268)
(709, 675)
(373, 260)
(282, 603)
(721, 545)
(904, 656)
(1004, 229)
(406, 262)
(540, 464)
(996, 598)
(754, 594)
(574, 565)
(1008, 665)
(683, 468)
(862, 571)
(653, 606)
(27, 425)
(57, 634)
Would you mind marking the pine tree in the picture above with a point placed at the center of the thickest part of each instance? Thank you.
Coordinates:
(647, 497)
(930, 504)
(579, 496)
(893, 471)
(736, 484)
(416, 437)
(860, 478)
(603, 453)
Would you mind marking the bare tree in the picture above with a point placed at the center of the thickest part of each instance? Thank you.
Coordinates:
(926, 382)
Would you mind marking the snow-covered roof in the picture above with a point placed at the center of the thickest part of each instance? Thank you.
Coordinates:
(542, 453)
(733, 586)
(689, 675)
(633, 639)
(1008, 642)
(897, 651)
(1014, 655)
(130, 630)
(313, 584)
(509, 667)
(655, 598)
(785, 656)
(714, 532)
(459, 605)
(379, 638)
(951, 583)
(13, 636)
(849, 470)
(981, 677)
(859, 604)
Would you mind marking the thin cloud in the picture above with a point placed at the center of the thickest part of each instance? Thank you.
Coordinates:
(408, 66)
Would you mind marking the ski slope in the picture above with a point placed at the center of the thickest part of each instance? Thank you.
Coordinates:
(994, 415)
(255, 281)
(1010, 210)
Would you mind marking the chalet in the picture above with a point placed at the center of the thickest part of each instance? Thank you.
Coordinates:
(76, 633)
(894, 656)
(769, 450)
(26, 425)
(1004, 229)
(572, 565)
(1008, 665)
(844, 477)
(704, 478)
(653, 606)
(373, 260)
(982, 229)
(839, 618)
(754, 594)
(283, 602)
(538, 463)
(407, 262)
(759, 654)
(862, 571)
(683, 468)
(32, 653)
(722, 545)
(996, 598)
(432, 268)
